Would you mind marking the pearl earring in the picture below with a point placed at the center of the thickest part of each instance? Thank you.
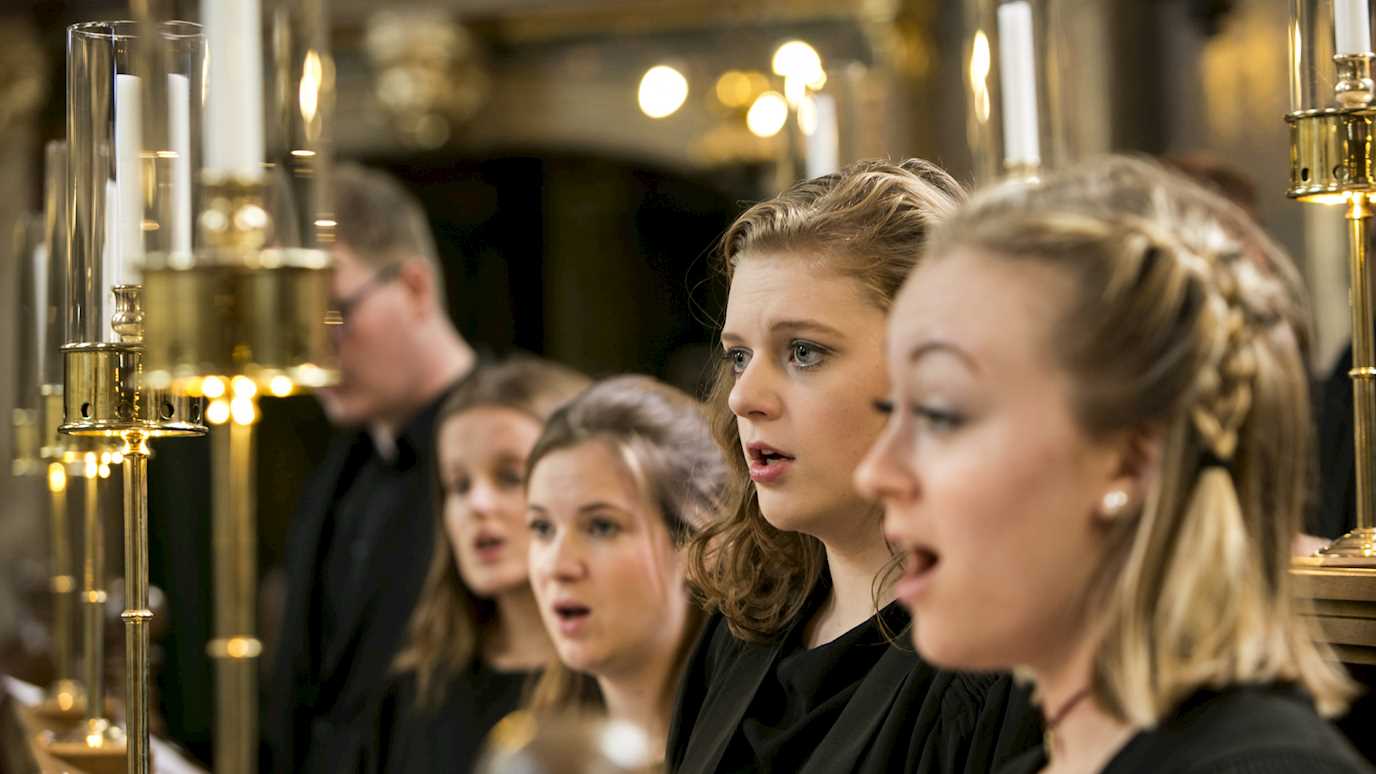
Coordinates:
(1114, 502)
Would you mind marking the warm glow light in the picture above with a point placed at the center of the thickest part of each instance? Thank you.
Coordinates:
(768, 115)
(662, 91)
(303, 154)
(57, 477)
(92, 465)
(807, 115)
(797, 59)
(116, 458)
(213, 387)
(217, 413)
(734, 89)
(1325, 198)
(280, 386)
(104, 470)
(243, 411)
(244, 387)
(312, 73)
(794, 90)
(979, 75)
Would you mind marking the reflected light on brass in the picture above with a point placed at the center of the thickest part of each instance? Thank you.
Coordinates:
(768, 115)
(979, 76)
(312, 72)
(663, 91)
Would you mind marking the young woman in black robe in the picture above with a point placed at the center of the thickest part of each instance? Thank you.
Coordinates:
(804, 664)
(1099, 431)
(475, 639)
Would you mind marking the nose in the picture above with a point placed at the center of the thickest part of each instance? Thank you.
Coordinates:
(887, 473)
(483, 500)
(560, 559)
(754, 396)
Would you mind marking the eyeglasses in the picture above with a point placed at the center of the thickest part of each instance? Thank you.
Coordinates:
(342, 308)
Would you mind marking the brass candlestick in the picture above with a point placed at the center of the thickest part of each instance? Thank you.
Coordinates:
(123, 115)
(242, 315)
(1331, 162)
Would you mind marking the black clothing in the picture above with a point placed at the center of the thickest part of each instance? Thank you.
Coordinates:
(356, 559)
(447, 738)
(1337, 512)
(1240, 730)
(856, 704)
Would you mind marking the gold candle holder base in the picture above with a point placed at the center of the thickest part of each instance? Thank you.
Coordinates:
(64, 706)
(104, 396)
(95, 748)
(1331, 154)
(1355, 549)
(265, 322)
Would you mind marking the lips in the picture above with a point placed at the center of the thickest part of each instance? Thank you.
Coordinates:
(919, 565)
(768, 465)
(571, 617)
(488, 547)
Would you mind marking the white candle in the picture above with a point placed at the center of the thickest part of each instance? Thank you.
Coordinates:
(179, 132)
(110, 268)
(234, 87)
(823, 149)
(128, 202)
(1351, 26)
(1018, 82)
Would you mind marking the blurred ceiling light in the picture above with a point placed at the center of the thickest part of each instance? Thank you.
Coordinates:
(768, 115)
(662, 91)
(797, 59)
(735, 89)
(430, 73)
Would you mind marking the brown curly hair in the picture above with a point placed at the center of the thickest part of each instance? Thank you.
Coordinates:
(868, 222)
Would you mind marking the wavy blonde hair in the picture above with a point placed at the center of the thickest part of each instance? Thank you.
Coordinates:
(662, 436)
(1186, 321)
(444, 634)
(868, 222)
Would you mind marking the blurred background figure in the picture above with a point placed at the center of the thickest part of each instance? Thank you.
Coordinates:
(362, 540)
(475, 639)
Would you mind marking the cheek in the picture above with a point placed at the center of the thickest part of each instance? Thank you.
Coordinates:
(454, 520)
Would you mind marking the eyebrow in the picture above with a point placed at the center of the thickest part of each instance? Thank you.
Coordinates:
(932, 347)
(793, 325)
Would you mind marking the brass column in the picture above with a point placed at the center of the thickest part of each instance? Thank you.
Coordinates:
(235, 648)
(136, 615)
(66, 695)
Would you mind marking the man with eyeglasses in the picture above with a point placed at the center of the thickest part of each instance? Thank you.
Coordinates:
(361, 542)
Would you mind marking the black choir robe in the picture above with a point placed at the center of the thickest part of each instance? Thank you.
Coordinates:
(895, 714)
(1239, 730)
(324, 689)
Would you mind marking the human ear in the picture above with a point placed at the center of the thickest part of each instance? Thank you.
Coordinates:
(1134, 470)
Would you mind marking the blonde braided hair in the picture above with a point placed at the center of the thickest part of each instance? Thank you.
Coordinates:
(1185, 325)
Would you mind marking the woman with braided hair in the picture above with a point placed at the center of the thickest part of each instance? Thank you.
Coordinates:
(1099, 433)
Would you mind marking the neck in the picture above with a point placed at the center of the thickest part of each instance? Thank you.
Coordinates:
(853, 567)
(1086, 737)
(642, 698)
(516, 640)
(443, 357)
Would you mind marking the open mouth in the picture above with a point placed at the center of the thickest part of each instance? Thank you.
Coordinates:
(489, 547)
(767, 464)
(570, 612)
(919, 565)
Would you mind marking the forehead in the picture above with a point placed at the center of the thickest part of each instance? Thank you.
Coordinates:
(771, 286)
(590, 472)
(994, 309)
(489, 429)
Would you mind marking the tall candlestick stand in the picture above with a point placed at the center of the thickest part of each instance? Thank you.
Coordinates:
(242, 313)
(1331, 162)
(117, 113)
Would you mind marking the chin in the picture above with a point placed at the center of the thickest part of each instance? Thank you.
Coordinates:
(943, 650)
(790, 512)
